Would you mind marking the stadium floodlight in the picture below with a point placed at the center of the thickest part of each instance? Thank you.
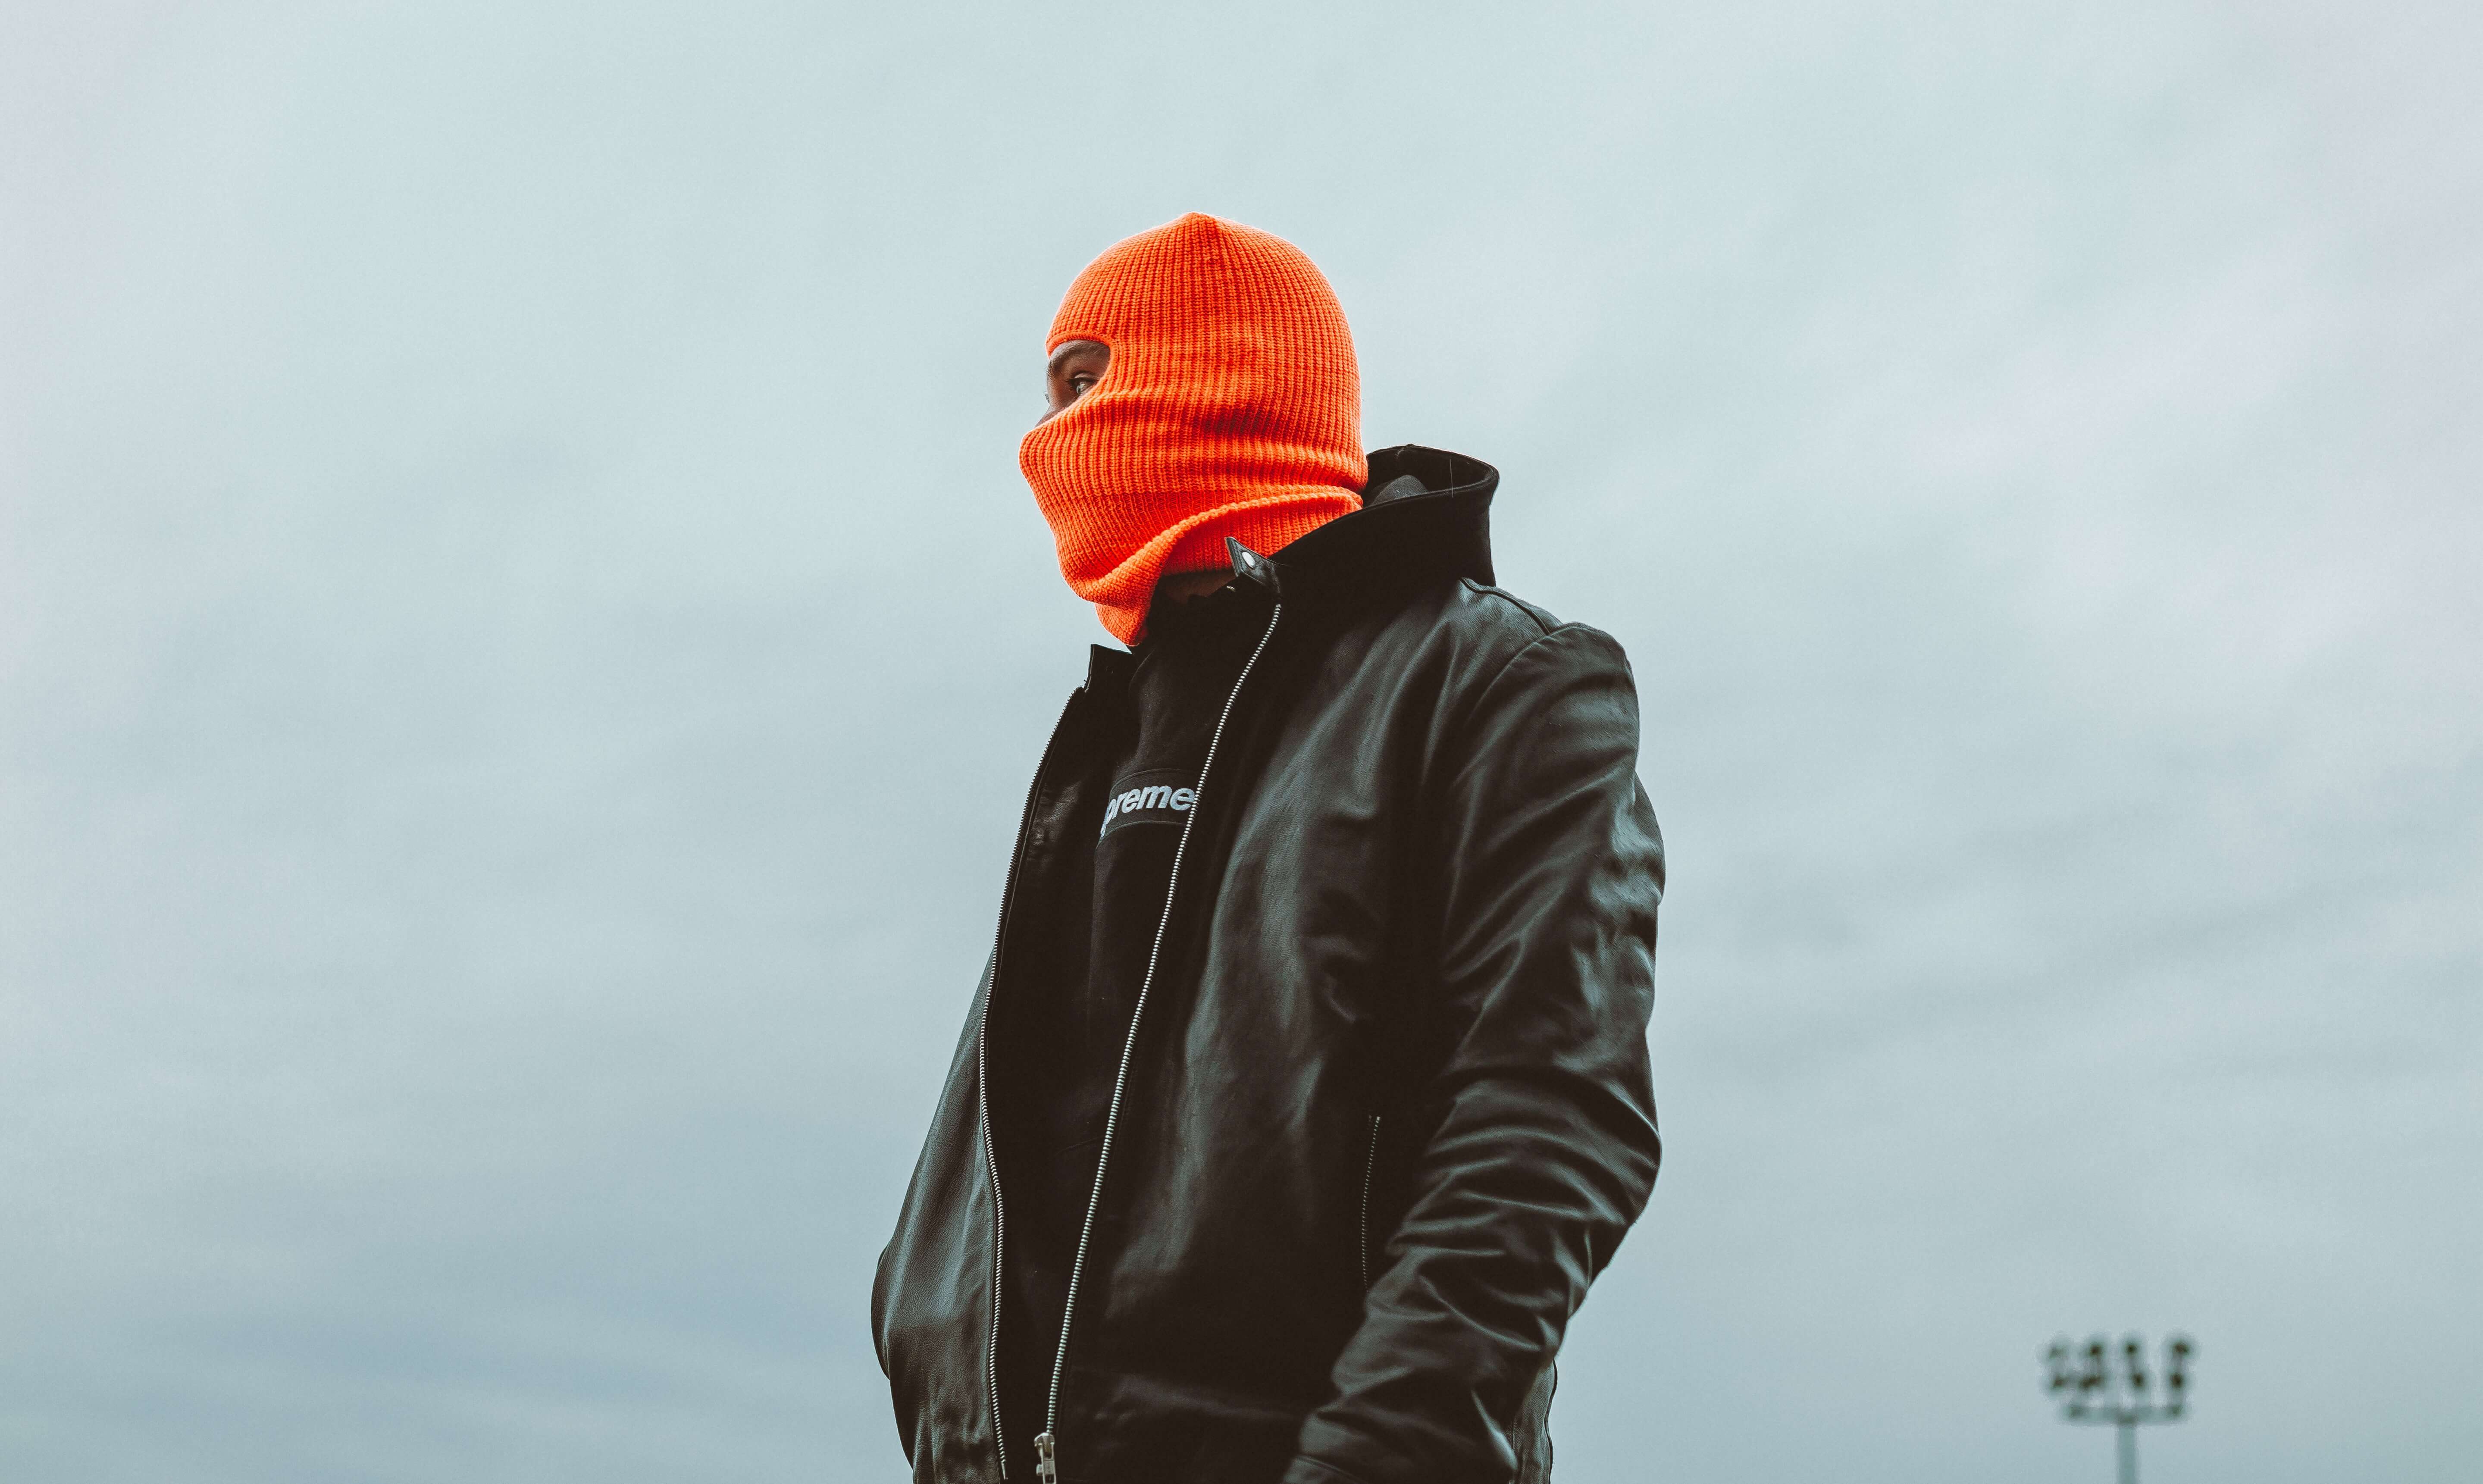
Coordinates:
(2083, 1379)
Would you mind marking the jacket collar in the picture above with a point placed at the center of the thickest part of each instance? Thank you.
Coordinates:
(1395, 542)
(1401, 537)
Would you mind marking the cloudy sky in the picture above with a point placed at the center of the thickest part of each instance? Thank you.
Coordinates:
(522, 640)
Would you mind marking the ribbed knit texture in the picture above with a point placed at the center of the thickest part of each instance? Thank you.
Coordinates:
(1232, 408)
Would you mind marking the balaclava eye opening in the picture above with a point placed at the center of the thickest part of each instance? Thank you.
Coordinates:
(1232, 408)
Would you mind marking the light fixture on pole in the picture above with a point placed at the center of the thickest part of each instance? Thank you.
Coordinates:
(2090, 1391)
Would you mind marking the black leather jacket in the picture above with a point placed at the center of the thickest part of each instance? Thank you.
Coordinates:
(1385, 1108)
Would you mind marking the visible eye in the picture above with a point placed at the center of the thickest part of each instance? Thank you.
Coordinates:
(1083, 383)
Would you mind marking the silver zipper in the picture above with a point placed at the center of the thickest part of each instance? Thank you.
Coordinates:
(1370, 1163)
(1045, 1442)
(982, 1093)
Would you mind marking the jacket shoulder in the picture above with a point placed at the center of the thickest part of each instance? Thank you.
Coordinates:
(1491, 603)
(1499, 626)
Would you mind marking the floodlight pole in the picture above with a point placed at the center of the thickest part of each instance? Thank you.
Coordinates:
(2086, 1390)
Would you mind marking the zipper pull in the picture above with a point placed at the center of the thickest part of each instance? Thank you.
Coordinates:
(1044, 1468)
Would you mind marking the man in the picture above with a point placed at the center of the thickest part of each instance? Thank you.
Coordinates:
(1306, 1088)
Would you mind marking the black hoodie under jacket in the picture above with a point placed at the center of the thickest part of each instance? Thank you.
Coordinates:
(1383, 1109)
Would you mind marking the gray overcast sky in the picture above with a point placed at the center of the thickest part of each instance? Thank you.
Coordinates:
(522, 639)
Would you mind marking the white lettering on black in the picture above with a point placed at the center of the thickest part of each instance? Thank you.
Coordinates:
(1161, 803)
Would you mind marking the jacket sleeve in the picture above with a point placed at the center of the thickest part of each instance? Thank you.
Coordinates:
(1543, 1146)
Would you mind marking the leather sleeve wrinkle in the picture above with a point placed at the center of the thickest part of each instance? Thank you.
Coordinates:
(1545, 1148)
(1310, 1471)
(1481, 695)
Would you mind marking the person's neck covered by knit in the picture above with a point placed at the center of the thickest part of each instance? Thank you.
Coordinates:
(1220, 400)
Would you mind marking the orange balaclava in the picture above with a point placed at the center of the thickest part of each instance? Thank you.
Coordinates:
(1230, 407)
